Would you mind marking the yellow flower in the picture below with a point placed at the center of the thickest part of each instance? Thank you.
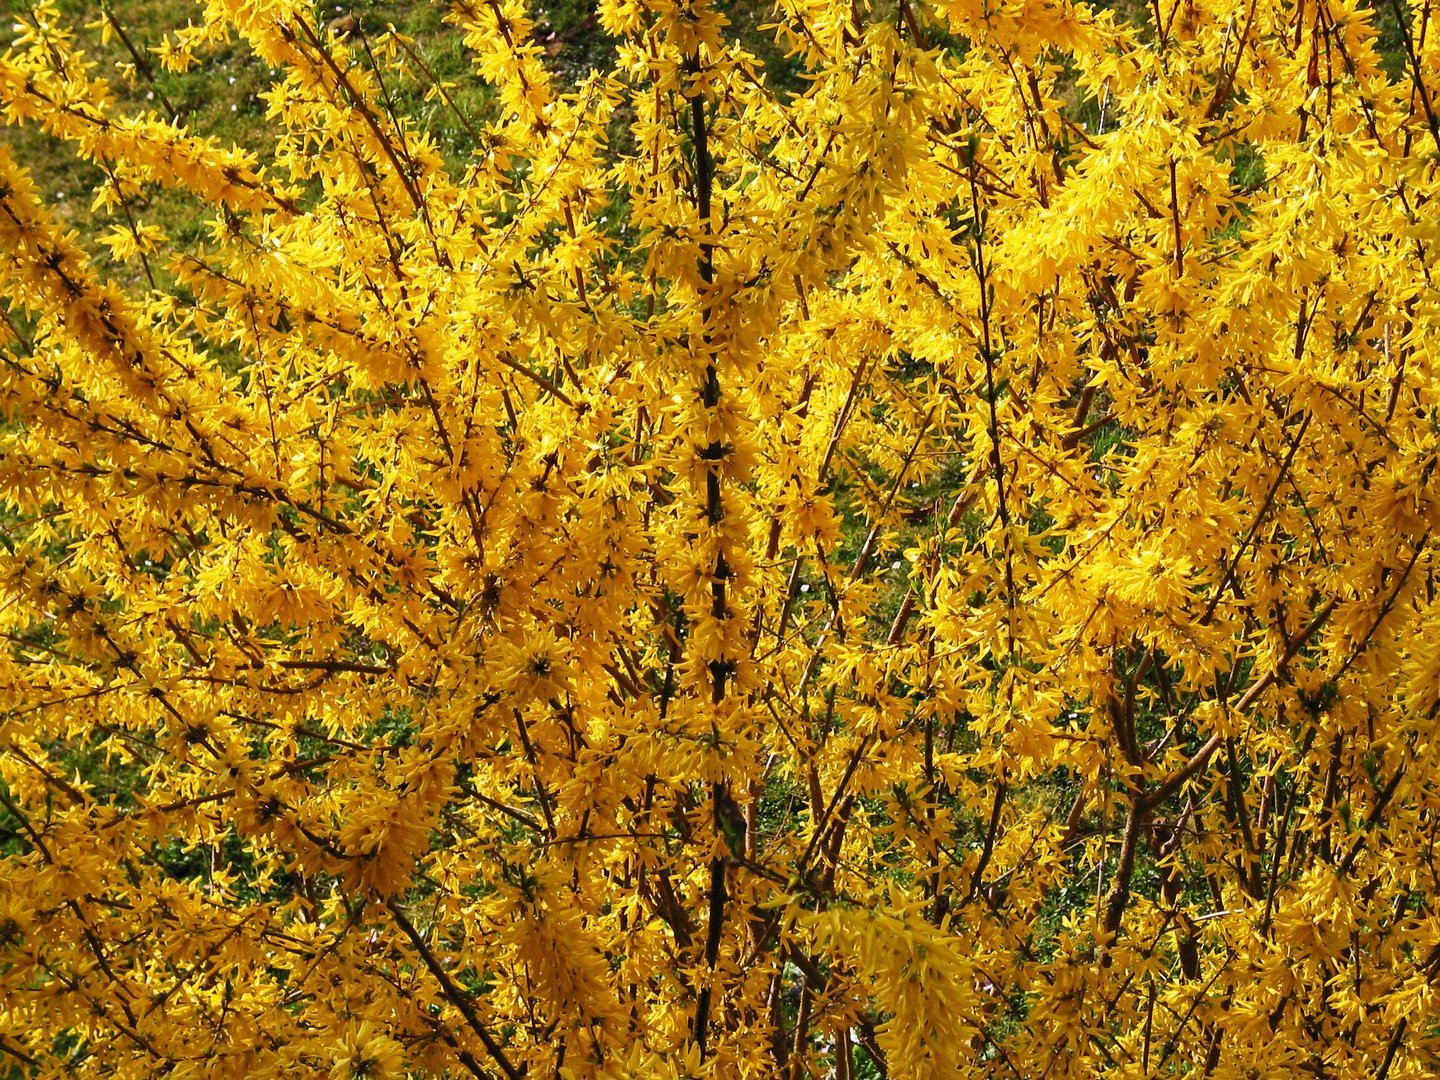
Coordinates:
(366, 1054)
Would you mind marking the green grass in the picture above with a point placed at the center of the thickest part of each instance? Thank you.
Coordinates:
(220, 96)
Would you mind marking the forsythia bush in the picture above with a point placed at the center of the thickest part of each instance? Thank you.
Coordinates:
(928, 573)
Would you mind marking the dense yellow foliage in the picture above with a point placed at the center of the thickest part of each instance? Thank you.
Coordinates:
(882, 580)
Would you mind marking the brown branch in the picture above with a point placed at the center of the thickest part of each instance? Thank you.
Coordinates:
(458, 998)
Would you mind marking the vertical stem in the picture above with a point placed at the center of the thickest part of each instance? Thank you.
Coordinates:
(802, 1034)
(1175, 219)
(715, 512)
(844, 1050)
(1119, 896)
(996, 460)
